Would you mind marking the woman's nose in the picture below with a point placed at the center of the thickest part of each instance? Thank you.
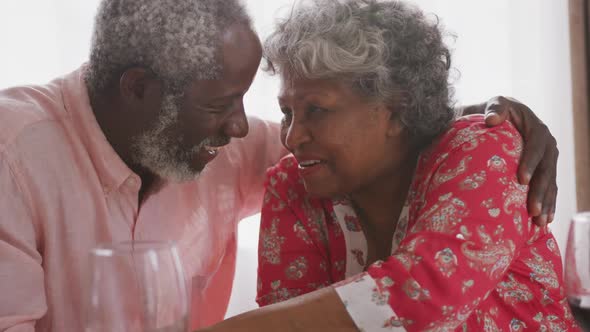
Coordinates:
(297, 135)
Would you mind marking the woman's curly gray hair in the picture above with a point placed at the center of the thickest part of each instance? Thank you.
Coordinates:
(178, 40)
(387, 50)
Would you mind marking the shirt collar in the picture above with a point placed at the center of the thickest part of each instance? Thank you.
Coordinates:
(111, 169)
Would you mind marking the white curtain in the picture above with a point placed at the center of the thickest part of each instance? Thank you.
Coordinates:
(518, 48)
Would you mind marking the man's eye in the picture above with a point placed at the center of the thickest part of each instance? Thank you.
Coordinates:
(216, 108)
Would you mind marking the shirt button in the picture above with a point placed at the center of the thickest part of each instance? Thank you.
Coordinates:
(132, 181)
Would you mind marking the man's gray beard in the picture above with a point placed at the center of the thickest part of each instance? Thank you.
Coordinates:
(162, 154)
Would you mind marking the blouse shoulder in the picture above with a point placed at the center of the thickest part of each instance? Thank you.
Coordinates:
(283, 178)
(469, 132)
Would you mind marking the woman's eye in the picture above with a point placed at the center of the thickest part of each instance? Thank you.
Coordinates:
(287, 117)
(286, 112)
(315, 109)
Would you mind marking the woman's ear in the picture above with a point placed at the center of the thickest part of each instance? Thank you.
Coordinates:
(396, 127)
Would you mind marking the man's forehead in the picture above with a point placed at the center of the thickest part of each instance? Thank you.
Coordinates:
(204, 91)
(240, 49)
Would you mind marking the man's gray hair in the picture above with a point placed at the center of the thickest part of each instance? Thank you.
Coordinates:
(387, 50)
(177, 40)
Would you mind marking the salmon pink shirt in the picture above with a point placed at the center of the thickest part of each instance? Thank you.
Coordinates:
(64, 190)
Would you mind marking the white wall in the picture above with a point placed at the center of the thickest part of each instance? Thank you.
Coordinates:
(43, 39)
(518, 48)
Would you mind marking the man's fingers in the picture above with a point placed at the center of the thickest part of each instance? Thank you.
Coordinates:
(548, 210)
(532, 154)
(493, 119)
(549, 203)
(550, 200)
(543, 187)
(541, 220)
(497, 111)
(537, 167)
(537, 190)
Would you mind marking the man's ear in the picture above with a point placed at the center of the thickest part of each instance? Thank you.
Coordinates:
(135, 83)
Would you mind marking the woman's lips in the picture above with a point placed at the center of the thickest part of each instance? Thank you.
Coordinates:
(310, 166)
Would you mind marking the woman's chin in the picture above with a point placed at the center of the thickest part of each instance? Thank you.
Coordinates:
(317, 190)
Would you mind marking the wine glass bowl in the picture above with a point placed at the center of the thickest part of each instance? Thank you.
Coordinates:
(577, 269)
(136, 286)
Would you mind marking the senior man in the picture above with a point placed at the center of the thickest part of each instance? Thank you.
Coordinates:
(135, 145)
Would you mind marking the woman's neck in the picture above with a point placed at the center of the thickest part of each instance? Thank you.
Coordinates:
(380, 203)
(379, 206)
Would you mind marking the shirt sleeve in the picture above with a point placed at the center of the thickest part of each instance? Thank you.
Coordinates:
(471, 225)
(289, 262)
(21, 274)
(259, 150)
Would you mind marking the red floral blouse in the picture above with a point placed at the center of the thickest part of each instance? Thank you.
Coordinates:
(465, 255)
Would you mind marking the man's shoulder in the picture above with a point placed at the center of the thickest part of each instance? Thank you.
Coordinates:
(257, 124)
(26, 107)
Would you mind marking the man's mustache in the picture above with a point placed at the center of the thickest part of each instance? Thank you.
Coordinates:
(216, 141)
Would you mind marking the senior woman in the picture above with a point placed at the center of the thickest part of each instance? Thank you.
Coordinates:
(391, 215)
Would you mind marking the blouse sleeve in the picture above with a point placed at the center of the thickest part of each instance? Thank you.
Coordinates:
(470, 227)
(289, 262)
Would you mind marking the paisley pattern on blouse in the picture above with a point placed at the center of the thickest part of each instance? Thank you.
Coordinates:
(514, 292)
(270, 244)
(497, 164)
(443, 216)
(474, 181)
(542, 270)
(465, 255)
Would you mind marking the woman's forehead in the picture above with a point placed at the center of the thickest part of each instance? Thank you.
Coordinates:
(327, 90)
(300, 87)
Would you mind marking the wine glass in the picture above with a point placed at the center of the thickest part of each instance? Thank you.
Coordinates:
(577, 269)
(136, 287)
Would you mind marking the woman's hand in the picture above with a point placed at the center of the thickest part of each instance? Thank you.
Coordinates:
(538, 163)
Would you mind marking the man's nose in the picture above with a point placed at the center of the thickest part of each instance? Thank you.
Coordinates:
(237, 123)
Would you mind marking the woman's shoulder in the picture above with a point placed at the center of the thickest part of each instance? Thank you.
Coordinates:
(470, 132)
(284, 177)
(286, 169)
(470, 141)
(284, 188)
